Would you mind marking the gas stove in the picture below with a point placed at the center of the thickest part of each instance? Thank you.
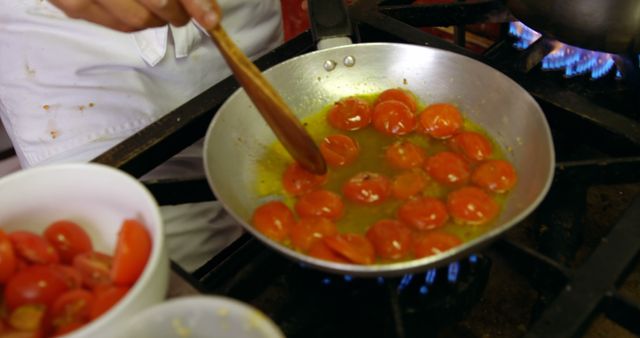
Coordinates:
(569, 270)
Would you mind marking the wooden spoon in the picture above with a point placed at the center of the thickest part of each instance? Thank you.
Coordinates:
(274, 110)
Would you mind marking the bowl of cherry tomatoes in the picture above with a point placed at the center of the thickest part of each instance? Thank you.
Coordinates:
(81, 251)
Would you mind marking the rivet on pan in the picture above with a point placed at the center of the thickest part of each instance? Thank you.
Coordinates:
(349, 61)
(329, 65)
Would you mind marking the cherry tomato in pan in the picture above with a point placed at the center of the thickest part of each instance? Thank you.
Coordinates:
(27, 317)
(408, 183)
(133, 249)
(68, 238)
(367, 188)
(391, 239)
(105, 299)
(471, 205)
(274, 219)
(322, 203)
(72, 307)
(498, 176)
(309, 230)
(474, 146)
(356, 248)
(8, 261)
(95, 268)
(339, 150)
(393, 118)
(434, 242)
(37, 284)
(440, 120)
(448, 168)
(401, 95)
(298, 181)
(350, 114)
(405, 155)
(33, 248)
(423, 213)
(322, 251)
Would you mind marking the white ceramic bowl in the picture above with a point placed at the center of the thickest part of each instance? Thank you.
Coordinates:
(99, 198)
(201, 317)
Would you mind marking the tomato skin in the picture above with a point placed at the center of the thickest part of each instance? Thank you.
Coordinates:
(405, 155)
(298, 181)
(95, 268)
(440, 120)
(397, 94)
(350, 114)
(309, 230)
(37, 284)
(448, 168)
(393, 118)
(274, 219)
(68, 238)
(8, 263)
(322, 203)
(433, 242)
(391, 239)
(497, 176)
(72, 307)
(354, 247)
(105, 299)
(367, 188)
(471, 205)
(339, 150)
(408, 183)
(319, 249)
(133, 249)
(424, 213)
(33, 248)
(474, 146)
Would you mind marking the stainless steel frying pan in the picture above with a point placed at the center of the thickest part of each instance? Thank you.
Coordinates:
(238, 137)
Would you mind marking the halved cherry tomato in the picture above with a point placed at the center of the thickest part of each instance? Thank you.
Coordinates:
(72, 307)
(408, 183)
(391, 239)
(7, 258)
(498, 176)
(356, 248)
(440, 120)
(339, 150)
(393, 118)
(68, 328)
(308, 230)
(424, 213)
(21, 334)
(405, 155)
(448, 168)
(434, 242)
(71, 275)
(27, 317)
(133, 249)
(322, 203)
(474, 146)
(367, 188)
(33, 248)
(471, 205)
(350, 114)
(398, 94)
(37, 284)
(68, 238)
(322, 251)
(274, 219)
(298, 181)
(105, 299)
(95, 268)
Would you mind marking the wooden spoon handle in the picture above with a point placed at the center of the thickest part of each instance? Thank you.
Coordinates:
(272, 107)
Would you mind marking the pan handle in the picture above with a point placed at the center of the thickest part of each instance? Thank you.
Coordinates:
(330, 24)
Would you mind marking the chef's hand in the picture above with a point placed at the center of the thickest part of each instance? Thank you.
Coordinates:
(134, 15)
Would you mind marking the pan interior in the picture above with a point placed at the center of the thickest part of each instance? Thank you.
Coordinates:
(238, 137)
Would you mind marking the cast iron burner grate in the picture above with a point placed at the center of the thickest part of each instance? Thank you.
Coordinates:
(574, 259)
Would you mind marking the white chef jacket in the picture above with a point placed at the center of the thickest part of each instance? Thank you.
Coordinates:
(70, 90)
